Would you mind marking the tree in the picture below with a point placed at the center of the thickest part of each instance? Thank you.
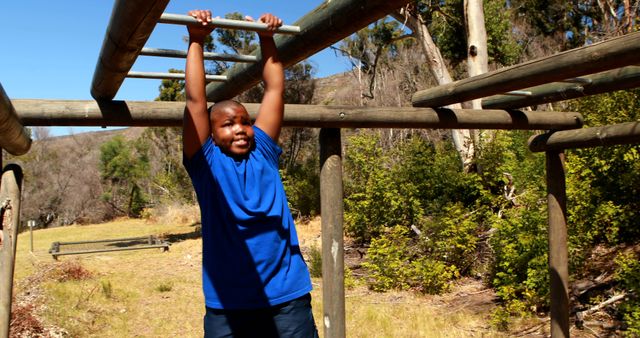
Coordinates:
(123, 167)
(171, 90)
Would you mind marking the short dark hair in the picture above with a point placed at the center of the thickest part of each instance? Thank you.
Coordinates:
(221, 105)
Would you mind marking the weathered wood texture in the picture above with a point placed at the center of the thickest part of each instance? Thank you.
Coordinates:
(325, 25)
(13, 137)
(131, 24)
(331, 205)
(558, 251)
(609, 81)
(616, 134)
(613, 53)
(138, 113)
(10, 188)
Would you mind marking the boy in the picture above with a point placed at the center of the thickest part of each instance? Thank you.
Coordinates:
(255, 281)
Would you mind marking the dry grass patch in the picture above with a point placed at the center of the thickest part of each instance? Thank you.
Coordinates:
(150, 293)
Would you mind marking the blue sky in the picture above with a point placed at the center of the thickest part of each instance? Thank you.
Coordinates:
(49, 49)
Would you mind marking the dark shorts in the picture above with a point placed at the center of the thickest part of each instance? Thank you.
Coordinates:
(292, 319)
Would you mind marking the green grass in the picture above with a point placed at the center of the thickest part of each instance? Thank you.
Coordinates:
(150, 293)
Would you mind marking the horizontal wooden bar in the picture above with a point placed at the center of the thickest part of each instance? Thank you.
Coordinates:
(80, 252)
(171, 76)
(612, 80)
(13, 137)
(616, 134)
(182, 54)
(128, 239)
(181, 19)
(130, 26)
(158, 113)
(327, 24)
(610, 54)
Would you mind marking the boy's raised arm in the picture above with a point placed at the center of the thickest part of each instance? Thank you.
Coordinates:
(271, 111)
(196, 127)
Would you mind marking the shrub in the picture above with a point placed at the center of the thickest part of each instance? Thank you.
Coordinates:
(315, 261)
(628, 275)
(164, 287)
(394, 263)
(71, 271)
(107, 289)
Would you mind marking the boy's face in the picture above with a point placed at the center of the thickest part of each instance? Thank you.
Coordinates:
(231, 130)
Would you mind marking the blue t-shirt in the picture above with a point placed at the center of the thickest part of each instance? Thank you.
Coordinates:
(250, 252)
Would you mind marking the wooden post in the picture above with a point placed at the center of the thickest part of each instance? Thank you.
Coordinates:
(10, 187)
(558, 252)
(331, 208)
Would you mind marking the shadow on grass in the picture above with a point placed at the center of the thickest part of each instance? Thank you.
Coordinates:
(175, 238)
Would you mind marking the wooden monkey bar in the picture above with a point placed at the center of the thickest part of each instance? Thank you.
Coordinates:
(172, 53)
(328, 23)
(181, 19)
(13, 137)
(130, 26)
(612, 80)
(616, 134)
(158, 113)
(174, 76)
(610, 54)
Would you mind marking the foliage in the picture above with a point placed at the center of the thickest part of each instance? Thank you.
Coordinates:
(628, 275)
(123, 166)
(315, 262)
(394, 265)
(513, 179)
(451, 237)
(578, 22)
(445, 21)
(374, 199)
(603, 183)
(171, 90)
(169, 181)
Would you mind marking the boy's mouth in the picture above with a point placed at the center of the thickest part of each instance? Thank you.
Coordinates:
(243, 142)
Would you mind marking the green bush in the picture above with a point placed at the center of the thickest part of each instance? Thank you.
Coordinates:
(451, 236)
(315, 261)
(628, 275)
(393, 263)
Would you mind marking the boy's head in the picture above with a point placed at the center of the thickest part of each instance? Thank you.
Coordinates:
(231, 128)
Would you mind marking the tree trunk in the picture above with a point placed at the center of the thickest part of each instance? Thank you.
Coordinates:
(477, 54)
(461, 137)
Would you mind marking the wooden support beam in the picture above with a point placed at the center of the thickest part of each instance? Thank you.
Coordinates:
(331, 205)
(612, 80)
(157, 113)
(320, 28)
(131, 24)
(13, 137)
(614, 53)
(558, 250)
(10, 193)
(616, 134)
